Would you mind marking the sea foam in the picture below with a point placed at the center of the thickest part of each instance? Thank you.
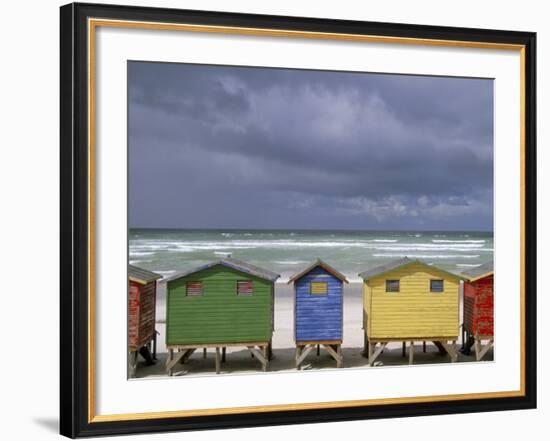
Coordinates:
(430, 256)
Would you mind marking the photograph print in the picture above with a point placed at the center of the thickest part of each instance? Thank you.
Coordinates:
(288, 220)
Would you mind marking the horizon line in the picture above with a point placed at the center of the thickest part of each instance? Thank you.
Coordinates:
(312, 229)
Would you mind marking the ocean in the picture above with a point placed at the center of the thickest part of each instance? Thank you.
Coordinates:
(168, 251)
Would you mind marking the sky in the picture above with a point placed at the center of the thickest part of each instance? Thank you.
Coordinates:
(247, 147)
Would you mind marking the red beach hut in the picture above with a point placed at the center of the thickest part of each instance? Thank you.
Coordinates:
(142, 296)
(478, 309)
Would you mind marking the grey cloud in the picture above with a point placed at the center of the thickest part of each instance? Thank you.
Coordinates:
(271, 146)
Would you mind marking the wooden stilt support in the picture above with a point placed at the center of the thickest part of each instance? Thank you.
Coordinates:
(411, 352)
(370, 349)
(270, 351)
(451, 350)
(175, 359)
(303, 354)
(186, 355)
(374, 356)
(169, 362)
(482, 350)
(424, 346)
(217, 360)
(132, 364)
(261, 356)
(404, 349)
(266, 357)
(440, 348)
(336, 354)
(170, 355)
(318, 350)
(181, 353)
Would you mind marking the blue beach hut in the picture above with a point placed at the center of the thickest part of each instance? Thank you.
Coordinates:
(318, 311)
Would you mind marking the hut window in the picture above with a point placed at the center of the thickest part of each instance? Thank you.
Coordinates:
(245, 288)
(318, 288)
(194, 288)
(436, 285)
(392, 285)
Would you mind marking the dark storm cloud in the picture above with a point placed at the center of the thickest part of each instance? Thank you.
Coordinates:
(227, 147)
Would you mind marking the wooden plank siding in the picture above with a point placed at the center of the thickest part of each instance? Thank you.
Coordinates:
(133, 315)
(469, 308)
(141, 313)
(414, 311)
(147, 300)
(318, 317)
(479, 307)
(367, 297)
(219, 315)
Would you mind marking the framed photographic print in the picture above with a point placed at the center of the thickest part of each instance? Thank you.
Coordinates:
(275, 220)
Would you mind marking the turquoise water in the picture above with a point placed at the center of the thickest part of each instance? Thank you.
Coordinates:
(285, 252)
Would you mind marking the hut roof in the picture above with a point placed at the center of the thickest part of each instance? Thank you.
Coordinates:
(141, 275)
(479, 272)
(395, 264)
(321, 264)
(230, 262)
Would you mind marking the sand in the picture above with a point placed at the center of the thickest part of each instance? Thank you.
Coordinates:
(239, 360)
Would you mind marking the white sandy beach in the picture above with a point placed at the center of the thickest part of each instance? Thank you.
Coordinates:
(239, 359)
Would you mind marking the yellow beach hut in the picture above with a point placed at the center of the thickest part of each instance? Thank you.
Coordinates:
(409, 301)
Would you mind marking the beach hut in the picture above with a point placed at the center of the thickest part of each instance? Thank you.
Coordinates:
(142, 295)
(408, 300)
(318, 309)
(478, 311)
(225, 303)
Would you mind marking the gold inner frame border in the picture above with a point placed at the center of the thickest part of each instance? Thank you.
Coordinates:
(92, 26)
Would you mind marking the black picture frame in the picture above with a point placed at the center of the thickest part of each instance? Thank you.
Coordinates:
(74, 272)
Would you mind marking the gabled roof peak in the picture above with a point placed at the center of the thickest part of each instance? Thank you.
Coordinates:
(395, 264)
(231, 262)
(141, 275)
(318, 263)
(484, 270)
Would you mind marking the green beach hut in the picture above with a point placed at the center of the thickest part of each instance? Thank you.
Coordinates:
(225, 303)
